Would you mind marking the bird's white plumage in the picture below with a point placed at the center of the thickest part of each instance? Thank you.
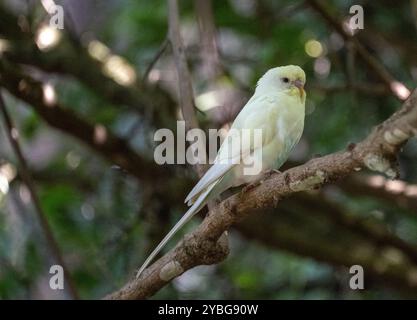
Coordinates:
(277, 108)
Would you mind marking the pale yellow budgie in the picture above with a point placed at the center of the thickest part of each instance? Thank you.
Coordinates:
(277, 108)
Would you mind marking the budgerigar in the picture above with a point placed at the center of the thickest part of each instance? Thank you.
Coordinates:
(278, 109)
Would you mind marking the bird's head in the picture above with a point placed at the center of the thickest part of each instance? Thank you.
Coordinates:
(290, 79)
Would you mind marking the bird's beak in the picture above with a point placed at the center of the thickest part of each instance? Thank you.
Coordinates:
(299, 84)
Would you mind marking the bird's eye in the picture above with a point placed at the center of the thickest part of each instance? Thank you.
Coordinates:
(285, 80)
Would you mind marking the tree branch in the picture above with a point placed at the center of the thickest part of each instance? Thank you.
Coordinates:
(53, 246)
(96, 136)
(376, 152)
(155, 59)
(370, 230)
(397, 88)
(70, 57)
(185, 88)
(184, 79)
(400, 193)
(208, 48)
(307, 230)
(363, 88)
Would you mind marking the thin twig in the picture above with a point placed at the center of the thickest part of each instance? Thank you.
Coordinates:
(155, 59)
(12, 134)
(396, 87)
(363, 88)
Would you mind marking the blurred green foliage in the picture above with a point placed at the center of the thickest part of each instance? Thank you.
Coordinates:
(95, 208)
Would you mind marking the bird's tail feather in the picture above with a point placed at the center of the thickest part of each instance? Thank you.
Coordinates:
(196, 207)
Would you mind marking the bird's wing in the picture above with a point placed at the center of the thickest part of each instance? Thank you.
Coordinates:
(216, 171)
(223, 163)
(231, 153)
